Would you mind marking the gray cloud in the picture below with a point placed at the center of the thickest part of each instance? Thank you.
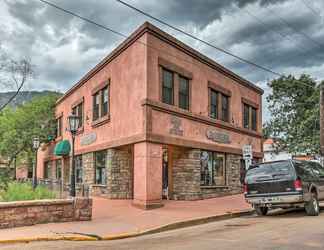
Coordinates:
(64, 48)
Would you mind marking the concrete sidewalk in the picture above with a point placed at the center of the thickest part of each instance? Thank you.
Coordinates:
(118, 218)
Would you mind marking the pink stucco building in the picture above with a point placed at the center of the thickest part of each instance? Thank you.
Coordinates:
(158, 120)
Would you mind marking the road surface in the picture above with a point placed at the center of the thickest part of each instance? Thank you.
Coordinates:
(291, 230)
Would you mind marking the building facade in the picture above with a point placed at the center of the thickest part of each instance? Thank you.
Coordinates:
(272, 153)
(158, 120)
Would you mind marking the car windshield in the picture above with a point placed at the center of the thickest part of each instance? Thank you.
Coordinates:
(271, 170)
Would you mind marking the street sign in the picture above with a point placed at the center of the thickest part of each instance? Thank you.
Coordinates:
(247, 155)
(247, 152)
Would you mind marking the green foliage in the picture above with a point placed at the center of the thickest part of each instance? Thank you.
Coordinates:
(4, 178)
(19, 126)
(294, 107)
(24, 191)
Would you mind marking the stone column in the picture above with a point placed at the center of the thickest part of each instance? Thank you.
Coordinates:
(147, 175)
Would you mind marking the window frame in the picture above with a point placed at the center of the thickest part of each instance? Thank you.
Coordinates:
(59, 126)
(186, 95)
(57, 172)
(103, 169)
(164, 70)
(78, 161)
(76, 111)
(213, 179)
(250, 109)
(221, 94)
(99, 92)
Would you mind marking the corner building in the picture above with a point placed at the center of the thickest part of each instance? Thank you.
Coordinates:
(158, 120)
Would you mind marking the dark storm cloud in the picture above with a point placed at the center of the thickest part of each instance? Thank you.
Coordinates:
(63, 48)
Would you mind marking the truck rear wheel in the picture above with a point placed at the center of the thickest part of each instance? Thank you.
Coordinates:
(261, 211)
(312, 206)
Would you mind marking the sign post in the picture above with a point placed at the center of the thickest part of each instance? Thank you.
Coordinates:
(247, 155)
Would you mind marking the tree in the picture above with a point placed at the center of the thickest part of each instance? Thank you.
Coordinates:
(294, 108)
(13, 74)
(19, 126)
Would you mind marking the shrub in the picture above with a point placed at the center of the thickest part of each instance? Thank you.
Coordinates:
(24, 191)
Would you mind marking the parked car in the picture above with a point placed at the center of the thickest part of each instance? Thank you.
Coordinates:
(285, 184)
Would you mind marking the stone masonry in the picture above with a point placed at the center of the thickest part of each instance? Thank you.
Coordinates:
(119, 174)
(27, 213)
(186, 176)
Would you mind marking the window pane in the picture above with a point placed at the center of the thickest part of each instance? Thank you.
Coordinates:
(213, 104)
(105, 102)
(184, 93)
(100, 163)
(167, 87)
(225, 108)
(96, 100)
(80, 114)
(254, 119)
(246, 116)
(58, 169)
(78, 168)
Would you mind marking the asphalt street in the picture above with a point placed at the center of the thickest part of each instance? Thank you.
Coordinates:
(289, 230)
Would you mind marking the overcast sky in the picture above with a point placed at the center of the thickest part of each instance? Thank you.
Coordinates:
(286, 36)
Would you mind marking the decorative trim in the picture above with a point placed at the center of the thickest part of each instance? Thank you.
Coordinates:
(100, 86)
(199, 118)
(77, 102)
(157, 138)
(100, 121)
(175, 68)
(250, 103)
(219, 88)
(59, 115)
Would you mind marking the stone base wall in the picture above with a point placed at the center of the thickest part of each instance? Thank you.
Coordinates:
(26, 213)
(186, 176)
(119, 172)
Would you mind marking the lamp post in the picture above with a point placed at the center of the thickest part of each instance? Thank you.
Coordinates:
(73, 121)
(36, 144)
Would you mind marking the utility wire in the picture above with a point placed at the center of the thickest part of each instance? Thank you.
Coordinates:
(310, 7)
(138, 41)
(283, 20)
(198, 39)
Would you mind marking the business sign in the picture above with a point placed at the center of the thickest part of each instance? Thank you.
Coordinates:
(176, 126)
(88, 139)
(247, 155)
(217, 136)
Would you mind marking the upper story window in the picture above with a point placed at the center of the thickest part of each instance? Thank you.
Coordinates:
(78, 110)
(167, 87)
(59, 126)
(219, 105)
(100, 104)
(183, 93)
(249, 117)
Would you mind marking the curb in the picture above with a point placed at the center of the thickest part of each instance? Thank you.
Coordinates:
(159, 229)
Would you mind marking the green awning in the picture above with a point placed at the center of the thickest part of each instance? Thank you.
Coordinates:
(62, 148)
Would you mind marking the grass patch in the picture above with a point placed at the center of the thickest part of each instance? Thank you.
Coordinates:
(23, 191)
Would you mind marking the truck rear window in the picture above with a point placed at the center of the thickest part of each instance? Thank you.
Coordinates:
(272, 170)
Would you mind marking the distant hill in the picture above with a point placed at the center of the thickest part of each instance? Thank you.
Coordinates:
(23, 96)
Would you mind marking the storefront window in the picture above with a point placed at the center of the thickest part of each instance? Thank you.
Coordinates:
(58, 169)
(78, 168)
(100, 166)
(47, 170)
(212, 169)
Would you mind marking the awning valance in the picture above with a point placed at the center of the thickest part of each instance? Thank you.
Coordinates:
(62, 148)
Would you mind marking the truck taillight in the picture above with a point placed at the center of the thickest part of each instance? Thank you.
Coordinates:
(245, 188)
(298, 185)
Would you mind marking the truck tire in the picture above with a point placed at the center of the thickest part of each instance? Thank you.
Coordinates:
(261, 211)
(312, 206)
